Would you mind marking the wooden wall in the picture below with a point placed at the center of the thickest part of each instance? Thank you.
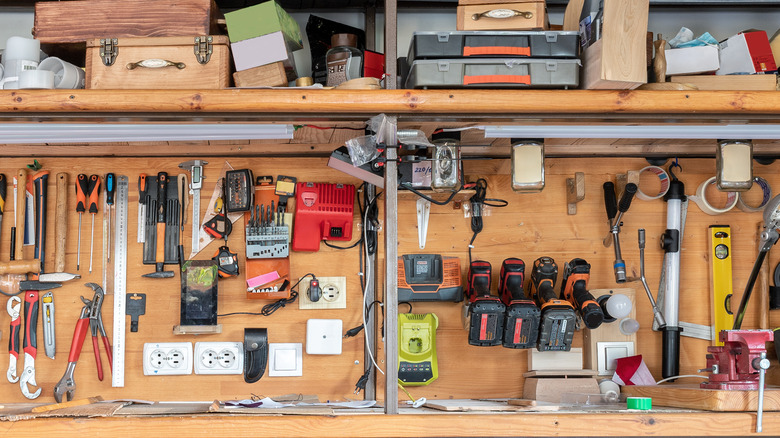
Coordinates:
(330, 377)
(537, 224)
(533, 225)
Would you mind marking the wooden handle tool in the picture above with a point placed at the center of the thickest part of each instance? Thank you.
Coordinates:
(21, 196)
(61, 224)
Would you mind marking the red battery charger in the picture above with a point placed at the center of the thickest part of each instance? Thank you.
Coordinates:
(322, 212)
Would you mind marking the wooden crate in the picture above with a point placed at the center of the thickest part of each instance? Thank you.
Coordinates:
(80, 20)
(618, 60)
(159, 63)
(269, 75)
(467, 10)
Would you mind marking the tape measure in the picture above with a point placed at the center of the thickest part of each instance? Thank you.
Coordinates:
(120, 283)
(720, 244)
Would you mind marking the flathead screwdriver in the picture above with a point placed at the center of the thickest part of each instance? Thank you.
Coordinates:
(82, 186)
(93, 195)
(110, 190)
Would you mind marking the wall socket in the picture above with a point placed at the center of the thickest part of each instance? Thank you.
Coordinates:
(167, 358)
(219, 358)
(334, 293)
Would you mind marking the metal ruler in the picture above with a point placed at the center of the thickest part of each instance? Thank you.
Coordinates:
(120, 282)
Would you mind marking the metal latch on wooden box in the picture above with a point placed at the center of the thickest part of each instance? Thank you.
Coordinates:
(203, 49)
(109, 49)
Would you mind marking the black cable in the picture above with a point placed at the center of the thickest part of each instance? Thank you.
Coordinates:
(478, 201)
(358, 242)
(409, 187)
(355, 330)
(407, 303)
(9, 294)
(269, 309)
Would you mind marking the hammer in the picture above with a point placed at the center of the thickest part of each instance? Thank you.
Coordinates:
(162, 197)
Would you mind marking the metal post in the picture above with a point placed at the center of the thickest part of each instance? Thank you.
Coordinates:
(391, 281)
(391, 45)
(370, 328)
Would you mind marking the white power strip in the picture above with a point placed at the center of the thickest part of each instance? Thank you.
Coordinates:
(167, 358)
(219, 358)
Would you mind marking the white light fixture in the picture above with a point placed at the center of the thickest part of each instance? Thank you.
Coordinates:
(731, 132)
(25, 133)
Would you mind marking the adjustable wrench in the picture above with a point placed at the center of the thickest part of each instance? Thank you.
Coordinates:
(67, 386)
(14, 307)
(30, 344)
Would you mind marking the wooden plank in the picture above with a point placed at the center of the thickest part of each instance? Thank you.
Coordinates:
(418, 102)
(68, 404)
(729, 82)
(693, 397)
(470, 405)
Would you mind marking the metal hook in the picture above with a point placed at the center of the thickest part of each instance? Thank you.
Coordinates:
(672, 166)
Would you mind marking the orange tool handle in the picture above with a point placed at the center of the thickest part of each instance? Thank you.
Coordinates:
(94, 193)
(497, 79)
(79, 333)
(82, 187)
(496, 50)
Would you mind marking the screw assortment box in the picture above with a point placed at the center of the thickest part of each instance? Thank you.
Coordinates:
(493, 59)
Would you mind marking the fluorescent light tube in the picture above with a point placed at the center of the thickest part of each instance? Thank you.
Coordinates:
(731, 132)
(24, 133)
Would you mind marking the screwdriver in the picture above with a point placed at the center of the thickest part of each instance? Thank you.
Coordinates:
(82, 186)
(3, 192)
(110, 190)
(93, 194)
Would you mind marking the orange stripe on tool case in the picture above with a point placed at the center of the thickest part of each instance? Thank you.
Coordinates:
(496, 50)
(497, 79)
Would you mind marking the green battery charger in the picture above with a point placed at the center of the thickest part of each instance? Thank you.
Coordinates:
(417, 364)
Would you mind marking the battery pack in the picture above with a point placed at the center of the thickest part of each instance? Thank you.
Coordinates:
(521, 328)
(486, 326)
(557, 328)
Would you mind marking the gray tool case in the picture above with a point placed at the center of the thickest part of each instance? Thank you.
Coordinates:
(504, 44)
(493, 73)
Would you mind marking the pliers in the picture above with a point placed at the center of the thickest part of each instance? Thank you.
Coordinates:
(96, 326)
(14, 306)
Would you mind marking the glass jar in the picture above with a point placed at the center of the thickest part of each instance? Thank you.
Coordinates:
(344, 60)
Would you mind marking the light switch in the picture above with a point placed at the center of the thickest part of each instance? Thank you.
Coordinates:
(285, 359)
(609, 352)
(323, 336)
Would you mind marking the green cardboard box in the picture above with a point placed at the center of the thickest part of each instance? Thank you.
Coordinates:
(262, 19)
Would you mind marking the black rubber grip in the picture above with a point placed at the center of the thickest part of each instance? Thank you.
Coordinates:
(82, 188)
(13, 339)
(3, 192)
(110, 188)
(610, 200)
(30, 321)
(628, 196)
(546, 292)
(670, 346)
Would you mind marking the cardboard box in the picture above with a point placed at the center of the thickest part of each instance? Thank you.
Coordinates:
(550, 389)
(730, 82)
(262, 50)
(140, 63)
(269, 75)
(263, 19)
(746, 53)
(555, 360)
(618, 61)
(691, 60)
(505, 20)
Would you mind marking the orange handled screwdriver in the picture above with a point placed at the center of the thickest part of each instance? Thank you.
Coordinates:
(82, 187)
(93, 194)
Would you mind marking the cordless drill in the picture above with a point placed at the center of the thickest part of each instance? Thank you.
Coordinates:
(557, 318)
(521, 326)
(486, 321)
(574, 289)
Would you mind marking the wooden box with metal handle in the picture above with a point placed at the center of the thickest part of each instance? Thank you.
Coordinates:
(502, 15)
(194, 62)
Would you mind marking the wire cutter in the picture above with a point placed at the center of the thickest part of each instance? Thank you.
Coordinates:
(97, 328)
(14, 306)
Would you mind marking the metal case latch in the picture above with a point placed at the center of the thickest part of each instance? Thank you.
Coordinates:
(203, 49)
(108, 51)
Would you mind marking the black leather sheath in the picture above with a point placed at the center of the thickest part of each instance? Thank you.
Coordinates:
(255, 353)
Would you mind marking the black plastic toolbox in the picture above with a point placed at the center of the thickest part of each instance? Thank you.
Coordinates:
(493, 73)
(461, 44)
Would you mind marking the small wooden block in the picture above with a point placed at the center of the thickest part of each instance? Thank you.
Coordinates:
(560, 373)
(555, 360)
(269, 75)
(575, 191)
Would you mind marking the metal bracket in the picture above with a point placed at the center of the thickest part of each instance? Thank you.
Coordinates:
(109, 49)
(203, 49)
(575, 191)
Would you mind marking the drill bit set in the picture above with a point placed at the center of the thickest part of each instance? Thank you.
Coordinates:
(267, 233)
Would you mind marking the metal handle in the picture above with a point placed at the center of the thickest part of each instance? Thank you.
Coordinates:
(155, 63)
(502, 14)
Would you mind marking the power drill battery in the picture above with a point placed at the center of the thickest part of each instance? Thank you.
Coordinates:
(521, 326)
(558, 318)
(486, 311)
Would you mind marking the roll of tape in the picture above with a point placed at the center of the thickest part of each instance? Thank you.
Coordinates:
(66, 75)
(36, 80)
(663, 177)
(701, 200)
(767, 195)
(639, 403)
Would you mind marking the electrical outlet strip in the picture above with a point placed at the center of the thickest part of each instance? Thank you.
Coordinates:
(219, 358)
(334, 293)
(167, 358)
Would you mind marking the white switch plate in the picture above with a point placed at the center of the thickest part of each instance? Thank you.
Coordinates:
(608, 352)
(323, 336)
(285, 359)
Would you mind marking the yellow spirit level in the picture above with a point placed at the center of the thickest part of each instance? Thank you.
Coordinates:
(720, 244)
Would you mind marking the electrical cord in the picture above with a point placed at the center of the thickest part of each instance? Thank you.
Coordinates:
(269, 309)
(409, 187)
(681, 376)
(478, 201)
(355, 330)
